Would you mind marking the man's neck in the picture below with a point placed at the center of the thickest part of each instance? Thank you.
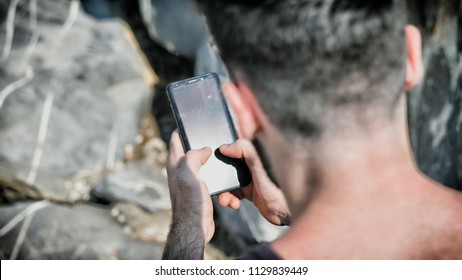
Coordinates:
(347, 161)
(363, 197)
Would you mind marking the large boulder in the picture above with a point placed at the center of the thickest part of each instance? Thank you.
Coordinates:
(52, 231)
(72, 93)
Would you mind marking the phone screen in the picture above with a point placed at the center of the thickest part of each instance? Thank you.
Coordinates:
(204, 121)
(203, 114)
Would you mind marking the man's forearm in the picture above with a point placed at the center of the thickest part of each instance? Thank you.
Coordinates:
(184, 242)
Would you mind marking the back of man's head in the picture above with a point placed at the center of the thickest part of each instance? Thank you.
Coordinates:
(307, 61)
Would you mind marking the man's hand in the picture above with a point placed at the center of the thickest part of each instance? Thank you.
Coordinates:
(266, 196)
(192, 219)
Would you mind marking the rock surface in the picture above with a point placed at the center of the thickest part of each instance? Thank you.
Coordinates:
(83, 94)
(435, 107)
(138, 183)
(92, 234)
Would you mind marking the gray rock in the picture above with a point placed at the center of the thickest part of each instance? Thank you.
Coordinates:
(83, 88)
(435, 107)
(175, 24)
(46, 230)
(69, 232)
(137, 183)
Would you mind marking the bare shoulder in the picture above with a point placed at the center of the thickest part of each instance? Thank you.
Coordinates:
(453, 229)
(447, 217)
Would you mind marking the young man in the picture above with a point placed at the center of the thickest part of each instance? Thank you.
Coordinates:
(321, 85)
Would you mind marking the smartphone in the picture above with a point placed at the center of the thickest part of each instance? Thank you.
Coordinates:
(204, 120)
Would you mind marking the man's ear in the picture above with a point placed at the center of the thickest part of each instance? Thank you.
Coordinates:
(242, 109)
(414, 64)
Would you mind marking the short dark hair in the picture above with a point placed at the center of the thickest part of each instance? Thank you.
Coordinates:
(305, 58)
